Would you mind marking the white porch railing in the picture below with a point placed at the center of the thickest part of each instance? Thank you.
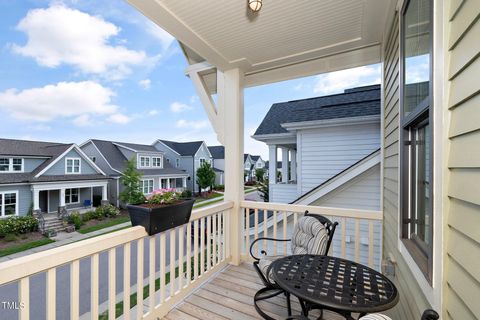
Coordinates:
(188, 267)
(357, 237)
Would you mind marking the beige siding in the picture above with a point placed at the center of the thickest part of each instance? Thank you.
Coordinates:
(462, 256)
(412, 301)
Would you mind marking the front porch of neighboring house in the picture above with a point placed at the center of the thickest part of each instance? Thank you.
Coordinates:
(283, 187)
(179, 184)
(62, 198)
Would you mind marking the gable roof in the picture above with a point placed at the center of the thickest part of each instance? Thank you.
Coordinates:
(218, 152)
(12, 147)
(355, 102)
(138, 147)
(183, 148)
(245, 157)
(255, 158)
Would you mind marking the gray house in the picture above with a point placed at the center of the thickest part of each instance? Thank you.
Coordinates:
(47, 178)
(188, 156)
(112, 157)
(218, 163)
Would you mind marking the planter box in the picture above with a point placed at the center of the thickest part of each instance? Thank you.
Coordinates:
(156, 220)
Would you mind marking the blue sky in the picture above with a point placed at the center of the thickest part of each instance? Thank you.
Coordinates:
(80, 69)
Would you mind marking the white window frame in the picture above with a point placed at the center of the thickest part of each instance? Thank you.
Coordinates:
(259, 165)
(10, 165)
(161, 162)
(140, 161)
(177, 162)
(2, 203)
(73, 165)
(142, 185)
(70, 196)
(202, 159)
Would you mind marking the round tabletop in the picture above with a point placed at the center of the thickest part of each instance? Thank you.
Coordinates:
(335, 283)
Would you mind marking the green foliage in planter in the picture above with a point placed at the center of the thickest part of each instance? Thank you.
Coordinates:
(131, 181)
(107, 211)
(18, 225)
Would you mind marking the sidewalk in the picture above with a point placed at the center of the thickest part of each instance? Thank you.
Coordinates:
(62, 239)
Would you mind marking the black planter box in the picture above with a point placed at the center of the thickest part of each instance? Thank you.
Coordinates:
(156, 220)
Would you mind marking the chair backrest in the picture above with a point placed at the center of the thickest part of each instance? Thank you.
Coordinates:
(87, 203)
(329, 226)
(309, 237)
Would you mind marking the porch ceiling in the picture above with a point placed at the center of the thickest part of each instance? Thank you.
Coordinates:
(287, 39)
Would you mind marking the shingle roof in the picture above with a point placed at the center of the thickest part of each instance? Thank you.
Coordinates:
(255, 158)
(29, 177)
(138, 147)
(245, 156)
(218, 152)
(355, 102)
(183, 148)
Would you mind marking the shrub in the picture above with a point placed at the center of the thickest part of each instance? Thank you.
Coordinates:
(18, 225)
(10, 237)
(75, 219)
(186, 194)
(219, 187)
(89, 215)
(106, 211)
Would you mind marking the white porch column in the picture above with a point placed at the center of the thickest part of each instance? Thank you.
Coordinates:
(62, 197)
(168, 183)
(184, 182)
(36, 200)
(293, 164)
(272, 164)
(105, 200)
(284, 165)
(230, 98)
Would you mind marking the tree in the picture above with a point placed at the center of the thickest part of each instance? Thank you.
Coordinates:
(260, 174)
(263, 189)
(205, 176)
(131, 180)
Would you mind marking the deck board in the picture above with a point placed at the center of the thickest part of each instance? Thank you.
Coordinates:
(229, 295)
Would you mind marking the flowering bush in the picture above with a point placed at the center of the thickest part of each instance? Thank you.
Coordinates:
(17, 225)
(106, 211)
(164, 196)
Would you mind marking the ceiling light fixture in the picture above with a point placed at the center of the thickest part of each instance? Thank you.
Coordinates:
(255, 5)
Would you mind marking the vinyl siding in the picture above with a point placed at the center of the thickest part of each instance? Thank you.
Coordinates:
(324, 152)
(201, 153)
(24, 200)
(412, 301)
(283, 193)
(462, 250)
(59, 167)
(30, 164)
(219, 164)
(185, 162)
(90, 150)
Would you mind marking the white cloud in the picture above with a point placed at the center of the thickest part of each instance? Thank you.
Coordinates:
(40, 127)
(153, 112)
(145, 84)
(336, 82)
(83, 120)
(163, 36)
(59, 35)
(64, 99)
(193, 99)
(179, 107)
(192, 124)
(119, 118)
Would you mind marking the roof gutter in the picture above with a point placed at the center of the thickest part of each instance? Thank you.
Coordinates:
(292, 126)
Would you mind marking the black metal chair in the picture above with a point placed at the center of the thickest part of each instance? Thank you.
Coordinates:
(271, 288)
(428, 314)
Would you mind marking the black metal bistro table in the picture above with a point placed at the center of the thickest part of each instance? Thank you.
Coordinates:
(339, 285)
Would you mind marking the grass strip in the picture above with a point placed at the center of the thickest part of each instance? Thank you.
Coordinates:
(25, 246)
(213, 196)
(100, 226)
(200, 205)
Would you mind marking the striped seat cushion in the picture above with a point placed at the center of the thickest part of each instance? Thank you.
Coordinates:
(265, 262)
(309, 237)
(375, 316)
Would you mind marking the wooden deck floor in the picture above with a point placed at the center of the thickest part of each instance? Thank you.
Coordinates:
(229, 295)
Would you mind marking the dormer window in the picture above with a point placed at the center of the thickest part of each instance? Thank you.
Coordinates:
(144, 162)
(72, 165)
(11, 165)
(157, 162)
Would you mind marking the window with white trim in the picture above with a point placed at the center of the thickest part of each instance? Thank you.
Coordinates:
(177, 162)
(202, 161)
(144, 162)
(157, 162)
(146, 186)
(72, 196)
(8, 204)
(72, 165)
(259, 165)
(11, 165)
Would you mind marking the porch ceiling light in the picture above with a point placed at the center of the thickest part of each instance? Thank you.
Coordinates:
(255, 5)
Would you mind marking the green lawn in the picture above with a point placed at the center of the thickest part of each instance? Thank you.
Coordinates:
(25, 246)
(200, 205)
(107, 224)
(211, 196)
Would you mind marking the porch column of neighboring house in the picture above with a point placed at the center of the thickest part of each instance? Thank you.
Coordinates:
(184, 182)
(168, 183)
(62, 209)
(231, 105)
(284, 165)
(272, 167)
(293, 164)
(104, 201)
(36, 201)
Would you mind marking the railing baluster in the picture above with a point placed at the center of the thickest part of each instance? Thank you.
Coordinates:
(189, 253)
(295, 218)
(214, 242)
(140, 247)
(227, 234)
(151, 276)
(209, 242)
(344, 234)
(173, 242)
(370, 243)
(181, 235)
(220, 232)
(94, 286)
(255, 217)
(24, 297)
(126, 281)
(224, 239)
(247, 230)
(111, 283)
(195, 250)
(265, 229)
(162, 258)
(285, 232)
(74, 289)
(275, 232)
(357, 240)
(202, 245)
(51, 293)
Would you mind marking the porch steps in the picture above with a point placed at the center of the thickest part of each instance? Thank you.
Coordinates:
(52, 222)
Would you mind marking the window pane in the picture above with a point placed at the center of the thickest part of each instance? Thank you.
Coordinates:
(416, 54)
(17, 164)
(10, 203)
(74, 197)
(4, 162)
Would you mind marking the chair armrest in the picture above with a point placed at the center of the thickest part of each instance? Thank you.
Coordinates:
(263, 251)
